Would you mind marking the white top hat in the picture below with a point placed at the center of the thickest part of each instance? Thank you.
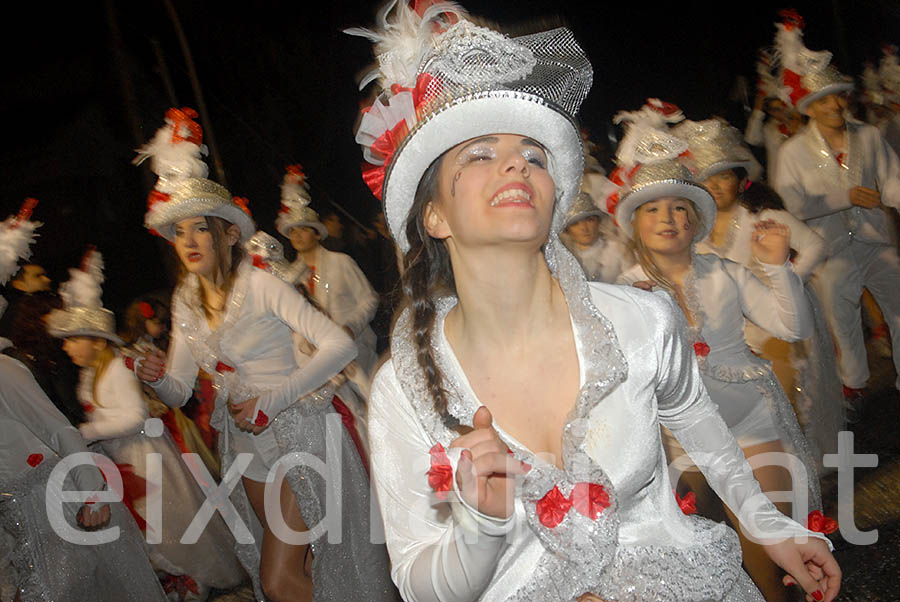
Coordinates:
(806, 75)
(447, 80)
(182, 190)
(651, 166)
(83, 313)
(295, 210)
(715, 147)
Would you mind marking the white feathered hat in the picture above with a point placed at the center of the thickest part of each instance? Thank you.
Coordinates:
(651, 165)
(83, 313)
(295, 210)
(446, 80)
(806, 75)
(182, 190)
(715, 146)
(16, 237)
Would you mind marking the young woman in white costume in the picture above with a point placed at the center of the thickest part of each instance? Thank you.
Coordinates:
(35, 561)
(807, 369)
(666, 212)
(236, 322)
(116, 412)
(515, 429)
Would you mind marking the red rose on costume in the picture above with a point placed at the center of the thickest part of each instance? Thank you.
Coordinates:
(223, 367)
(261, 419)
(87, 407)
(816, 521)
(35, 459)
(701, 349)
(553, 507)
(589, 499)
(146, 309)
(688, 503)
(440, 475)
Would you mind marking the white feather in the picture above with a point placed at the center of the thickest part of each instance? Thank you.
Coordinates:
(16, 238)
(83, 287)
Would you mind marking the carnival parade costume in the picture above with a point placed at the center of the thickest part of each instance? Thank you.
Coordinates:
(607, 257)
(34, 438)
(250, 354)
(116, 425)
(815, 182)
(715, 147)
(608, 522)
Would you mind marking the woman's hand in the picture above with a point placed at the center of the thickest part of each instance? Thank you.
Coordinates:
(152, 366)
(771, 242)
(644, 285)
(242, 413)
(486, 472)
(809, 565)
(92, 520)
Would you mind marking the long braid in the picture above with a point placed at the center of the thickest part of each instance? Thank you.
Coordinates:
(426, 273)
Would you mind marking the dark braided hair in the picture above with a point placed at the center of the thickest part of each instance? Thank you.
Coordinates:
(427, 273)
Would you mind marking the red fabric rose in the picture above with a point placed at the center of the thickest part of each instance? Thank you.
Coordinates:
(688, 503)
(222, 367)
(589, 499)
(146, 309)
(553, 507)
(440, 475)
(35, 459)
(816, 521)
(261, 419)
(259, 262)
(701, 349)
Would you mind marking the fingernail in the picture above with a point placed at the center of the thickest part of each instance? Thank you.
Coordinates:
(466, 454)
(526, 466)
(817, 595)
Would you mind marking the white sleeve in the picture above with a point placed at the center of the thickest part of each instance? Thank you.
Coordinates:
(754, 134)
(810, 247)
(120, 409)
(686, 409)
(177, 383)
(441, 551)
(781, 308)
(335, 349)
(888, 169)
(797, 200)
(365, 299)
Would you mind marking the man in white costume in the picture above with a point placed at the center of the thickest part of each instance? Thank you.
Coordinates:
(332, 279)
(838, 175)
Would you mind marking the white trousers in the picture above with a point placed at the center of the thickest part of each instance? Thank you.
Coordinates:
(839, 283)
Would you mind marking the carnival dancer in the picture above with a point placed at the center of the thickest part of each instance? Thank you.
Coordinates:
(772, 121)
(236, 322)
(34, 438)
(807, 369)
(665, 212)
(333, 279)
(146, 331)
(116, 414)
(515, 428)
(838, 176)
(591, 237)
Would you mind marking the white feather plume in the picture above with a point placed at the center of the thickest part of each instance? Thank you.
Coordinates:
(794, 55)
(767, 83)
(83, 287)
(402, 40)
(647, 138)
(295, 190)
(16, 238)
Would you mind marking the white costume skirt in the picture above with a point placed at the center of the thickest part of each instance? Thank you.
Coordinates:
(210, 561)
(48, 568)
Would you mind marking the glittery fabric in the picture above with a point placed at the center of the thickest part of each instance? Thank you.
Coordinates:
(340, 570)
(192, 198)
(715, 146)
(582, 555)
(822, 83)
(583, 207)
(49, 569)
(83, 321)
(731, 361)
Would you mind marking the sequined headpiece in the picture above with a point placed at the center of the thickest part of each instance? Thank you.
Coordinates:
(651, 165)
(806, 75)
(16, 237)
(582, 207)
(295, 210)
(889, 74)
(268, 254)
(715, 146)
(83, 314)
(181, 189)
(446, 80)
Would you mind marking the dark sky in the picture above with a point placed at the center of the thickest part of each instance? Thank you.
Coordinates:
(83, 87)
